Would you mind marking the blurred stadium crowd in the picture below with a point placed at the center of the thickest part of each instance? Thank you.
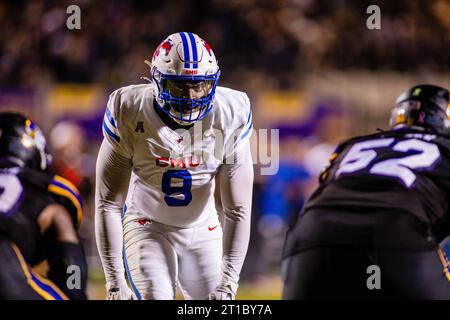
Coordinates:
(311, 68)
(271, 37)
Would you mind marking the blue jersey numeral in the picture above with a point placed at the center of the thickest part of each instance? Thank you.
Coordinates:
(177, 196)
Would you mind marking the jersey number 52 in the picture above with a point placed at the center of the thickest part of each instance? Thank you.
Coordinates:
(362, 154)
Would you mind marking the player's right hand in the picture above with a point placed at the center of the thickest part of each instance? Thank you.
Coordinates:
(223, 292)
(119, 291)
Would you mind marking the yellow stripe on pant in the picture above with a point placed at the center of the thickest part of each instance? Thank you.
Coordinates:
(445, 263)
(44, 287)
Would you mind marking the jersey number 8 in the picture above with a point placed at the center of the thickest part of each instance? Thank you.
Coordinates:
(177, 195)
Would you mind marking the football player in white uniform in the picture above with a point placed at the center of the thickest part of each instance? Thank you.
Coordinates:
(165, 143)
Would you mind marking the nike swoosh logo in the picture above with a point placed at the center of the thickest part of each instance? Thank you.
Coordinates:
(212, 228)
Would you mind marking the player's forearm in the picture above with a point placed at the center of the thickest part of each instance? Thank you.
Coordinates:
(112, 179)
(236, 183)
(64, 251)
(236, 240)
(108, 235)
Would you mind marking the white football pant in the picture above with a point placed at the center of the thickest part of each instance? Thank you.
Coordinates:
(158, 256)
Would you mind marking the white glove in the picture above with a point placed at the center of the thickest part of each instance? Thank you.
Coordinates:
(224, 292)
(119, 291)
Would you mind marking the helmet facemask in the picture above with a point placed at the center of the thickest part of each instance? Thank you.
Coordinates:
(186, 99)
(39, 142)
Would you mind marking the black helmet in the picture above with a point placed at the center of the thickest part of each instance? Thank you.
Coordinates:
(425, 106)
(22, 143)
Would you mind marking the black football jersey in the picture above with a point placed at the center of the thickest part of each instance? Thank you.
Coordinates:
(394, 173)
(24, 194)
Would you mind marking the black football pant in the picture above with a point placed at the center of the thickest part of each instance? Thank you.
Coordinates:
(344, 272)
(19, 282)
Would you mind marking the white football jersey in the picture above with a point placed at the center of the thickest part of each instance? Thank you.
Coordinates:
(172, 180)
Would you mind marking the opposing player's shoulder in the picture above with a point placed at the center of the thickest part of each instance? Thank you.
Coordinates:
(357, 139)
(403, 134)
(55, 189)
(234, 106)
(35, 179)
(67, 195)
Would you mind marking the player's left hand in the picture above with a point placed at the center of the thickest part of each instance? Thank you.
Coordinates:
(223, 292)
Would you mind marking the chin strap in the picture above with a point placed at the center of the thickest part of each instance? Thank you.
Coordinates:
(146, 79)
